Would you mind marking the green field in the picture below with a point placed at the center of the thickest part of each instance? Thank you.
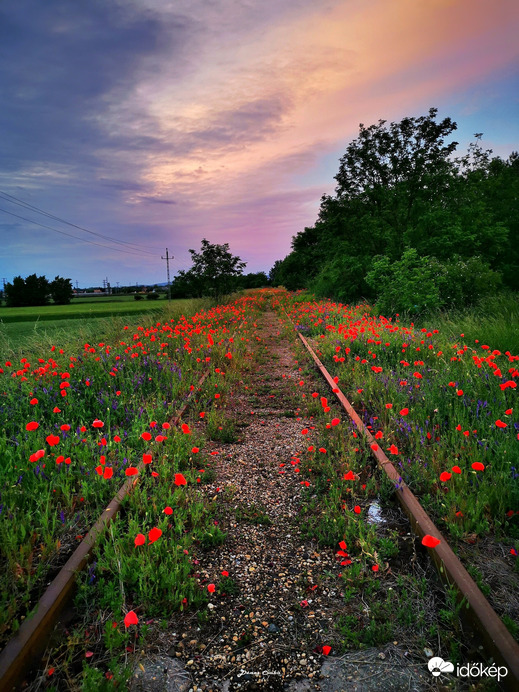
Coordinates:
(20, 327)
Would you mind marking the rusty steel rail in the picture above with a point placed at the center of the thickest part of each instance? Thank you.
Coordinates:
(30, 640)
(496, 639)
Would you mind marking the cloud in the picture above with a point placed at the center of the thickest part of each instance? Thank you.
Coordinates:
(173, 120)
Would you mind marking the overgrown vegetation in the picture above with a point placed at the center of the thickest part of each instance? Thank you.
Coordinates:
(411, 228)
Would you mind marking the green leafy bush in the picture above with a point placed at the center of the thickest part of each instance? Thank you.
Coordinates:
(407, 285)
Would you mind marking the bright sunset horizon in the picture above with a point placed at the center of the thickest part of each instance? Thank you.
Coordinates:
(157, 123)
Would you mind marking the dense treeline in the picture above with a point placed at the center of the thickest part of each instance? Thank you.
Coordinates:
(38, 290)
(410, 225)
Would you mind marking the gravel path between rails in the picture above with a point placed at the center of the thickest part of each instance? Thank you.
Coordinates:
(284, 594)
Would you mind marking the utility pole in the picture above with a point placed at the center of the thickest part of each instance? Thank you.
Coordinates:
(167, 258)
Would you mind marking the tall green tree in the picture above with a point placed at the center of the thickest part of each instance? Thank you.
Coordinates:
(399, 188)
(212, 274)
(61, 290)
(34, 290)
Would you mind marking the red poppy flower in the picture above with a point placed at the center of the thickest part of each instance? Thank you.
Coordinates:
(374, 446)
(168, 510)
(393, 449)
(404, 412)
(375, 568)
(154, 534)
(379, 435)
(131, 471)
(315, 395)
(326, 649)
(140, 539)
(33, 402)
(146, 436)
(32, 425)
(478, 466)
(130, 619)
(350, 476)
(179, 479)
(357, 509)
(500, 424)
(146, 458)
(304, 431)
(336, 421)
(445, 476)
(97, 423)
(185, 429)
(166, 426)
(109, 472)
(52, 440)
(211, 588)
(117, 438)
(343, 545)
(195, 450)
(389, 405)
(456, 469)
(430, 541)
(56, 410)
(225, 573)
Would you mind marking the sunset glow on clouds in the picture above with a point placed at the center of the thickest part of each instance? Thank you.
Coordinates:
(160, 123)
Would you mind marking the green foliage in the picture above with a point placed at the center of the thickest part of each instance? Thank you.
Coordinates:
(404, 286)
(400, 189)
(343, 277)
(417, 284)
(137, 296)
(212, 274)
(152, 296)
(61, 291)
(34, 290)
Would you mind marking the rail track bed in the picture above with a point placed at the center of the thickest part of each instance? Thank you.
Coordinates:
(309, 571)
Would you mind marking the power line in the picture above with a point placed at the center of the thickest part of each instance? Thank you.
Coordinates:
(82, 240)
(26, 205)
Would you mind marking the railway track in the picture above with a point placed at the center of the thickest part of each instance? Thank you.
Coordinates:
(30, 640)
(497, 641)
(28, 643)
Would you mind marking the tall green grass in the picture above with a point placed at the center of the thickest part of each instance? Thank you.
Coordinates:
(29, 336)
(494, 321)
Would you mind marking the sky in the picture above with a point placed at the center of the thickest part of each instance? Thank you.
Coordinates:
(156, 123)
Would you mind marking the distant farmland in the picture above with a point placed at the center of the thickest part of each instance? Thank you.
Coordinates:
(22, 323)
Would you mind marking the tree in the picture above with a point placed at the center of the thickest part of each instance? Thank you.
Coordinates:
(213, 271)
(399, 188)
(34, 290)
(61, 291)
